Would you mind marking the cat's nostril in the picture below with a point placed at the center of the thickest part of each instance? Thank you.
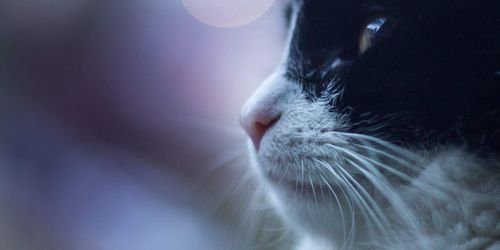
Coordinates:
(257, 124)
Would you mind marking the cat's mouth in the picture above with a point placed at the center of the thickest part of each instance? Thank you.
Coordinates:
(317, 166)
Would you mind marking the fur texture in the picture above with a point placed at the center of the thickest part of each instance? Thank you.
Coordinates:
(393, 147)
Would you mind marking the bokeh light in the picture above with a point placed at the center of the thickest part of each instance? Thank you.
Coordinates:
(118, 122)
(227, 13)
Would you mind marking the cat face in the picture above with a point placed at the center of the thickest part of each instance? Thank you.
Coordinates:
(363, 87)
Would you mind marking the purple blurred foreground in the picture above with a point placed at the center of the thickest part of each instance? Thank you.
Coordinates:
(113, 114)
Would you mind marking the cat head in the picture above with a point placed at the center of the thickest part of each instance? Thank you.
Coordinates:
(364, 88)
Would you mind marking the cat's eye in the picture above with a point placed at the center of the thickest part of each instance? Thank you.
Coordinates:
(370, 32)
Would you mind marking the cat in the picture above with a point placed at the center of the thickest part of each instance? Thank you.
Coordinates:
(380, 128)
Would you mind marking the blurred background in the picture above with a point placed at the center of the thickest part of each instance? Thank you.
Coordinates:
(118, 123)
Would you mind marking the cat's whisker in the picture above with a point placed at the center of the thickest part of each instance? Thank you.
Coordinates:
(252, 221)
(302, 178)
(283, 175)
(362, 158)
(263, 218)
(414, 165)
(366, 210)
(404, 161)
(381, 183)
(415, 182)
(350, 235)
(283, 234)
(374, 212)
(386, 167)
(226, 164)
(342, 217)
(347, 236)
(229, 156)
(372, 160)
(313, 190)
(408, 154)
(248, 194)
(224, 168)
(352, 230)
(351, 203)
(363, 190)
(244, 182)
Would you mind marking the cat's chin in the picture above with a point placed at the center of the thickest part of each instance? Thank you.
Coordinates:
(314, 204)
(312, 208)
(307, 178)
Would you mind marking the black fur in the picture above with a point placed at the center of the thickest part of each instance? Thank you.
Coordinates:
(430, 78)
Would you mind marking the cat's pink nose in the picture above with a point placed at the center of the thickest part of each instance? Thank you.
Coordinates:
(257, 122)
(264, 108)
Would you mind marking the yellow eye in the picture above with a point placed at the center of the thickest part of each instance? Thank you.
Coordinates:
(369, 34)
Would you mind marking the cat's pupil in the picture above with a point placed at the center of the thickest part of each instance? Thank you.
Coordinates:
(369, 33)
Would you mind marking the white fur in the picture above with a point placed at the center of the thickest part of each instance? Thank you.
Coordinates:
(451, 202)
